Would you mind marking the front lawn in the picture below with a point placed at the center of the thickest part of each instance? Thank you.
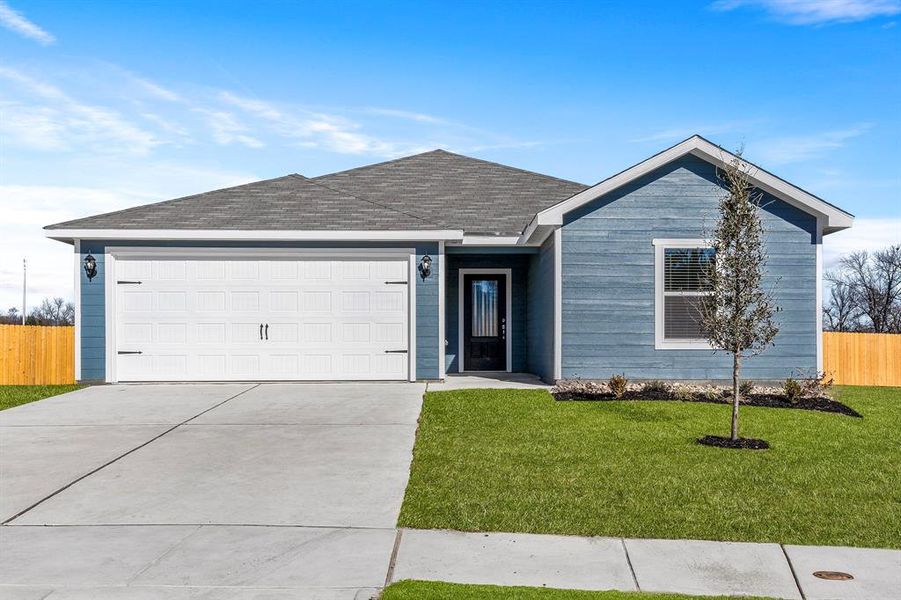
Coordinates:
(433, 590)
(517, 460)
(14, 395)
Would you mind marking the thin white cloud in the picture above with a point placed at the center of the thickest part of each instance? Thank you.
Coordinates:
(48, 118)
(16, 21)
(867, 234)
(227, 129)
(407, 115)
(799, 148)
(817, 12)
(156, 90)
(316, 129)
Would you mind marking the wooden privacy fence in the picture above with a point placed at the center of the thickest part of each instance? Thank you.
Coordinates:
(31, 355)
(862, 358)
(46, 355)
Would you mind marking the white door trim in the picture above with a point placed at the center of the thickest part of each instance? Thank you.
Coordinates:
(111, 253)
(558, 303)
(77, 293)
(461, 273)
(442, 285)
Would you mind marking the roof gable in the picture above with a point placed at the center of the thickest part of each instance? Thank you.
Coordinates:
(833, 218)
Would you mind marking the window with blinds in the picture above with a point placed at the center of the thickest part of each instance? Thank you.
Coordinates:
(683, 290)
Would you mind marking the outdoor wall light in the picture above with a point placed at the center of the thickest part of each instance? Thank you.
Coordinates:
(90, 266)
(425, 266)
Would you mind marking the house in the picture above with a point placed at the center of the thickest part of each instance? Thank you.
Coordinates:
(432, 264)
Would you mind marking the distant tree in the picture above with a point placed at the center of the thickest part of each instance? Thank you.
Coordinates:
(841, 312)
(52, 311)
(12, 317)
(738, 314)
(866, 289)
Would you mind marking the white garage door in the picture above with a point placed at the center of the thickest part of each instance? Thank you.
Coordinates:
(308, 319)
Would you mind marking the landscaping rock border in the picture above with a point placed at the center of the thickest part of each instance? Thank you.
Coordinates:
(768, 397)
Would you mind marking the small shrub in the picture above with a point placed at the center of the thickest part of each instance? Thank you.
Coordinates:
(792, 390)
(579, 388)
(618, 385)
(816, 386)
(711, 393)
(746, 388)
(656, 389)
(683, 393)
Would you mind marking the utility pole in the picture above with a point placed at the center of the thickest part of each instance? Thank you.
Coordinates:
(24, 286)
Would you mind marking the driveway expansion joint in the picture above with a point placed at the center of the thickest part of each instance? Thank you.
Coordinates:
(393, 560)
(629, 562)
(121, 456)
(791, 567)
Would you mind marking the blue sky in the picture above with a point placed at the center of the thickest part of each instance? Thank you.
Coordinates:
(105, 105)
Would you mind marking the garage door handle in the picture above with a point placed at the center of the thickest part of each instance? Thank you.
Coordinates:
(395, 283)
(395, 351)
(267, 331)
(128, 282)
(261, 331)
(130, 352)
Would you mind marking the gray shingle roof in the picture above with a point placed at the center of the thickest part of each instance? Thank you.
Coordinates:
(433, 190)
(457, 191)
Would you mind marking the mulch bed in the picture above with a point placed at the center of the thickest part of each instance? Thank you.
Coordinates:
(740, 444)
(768, 401)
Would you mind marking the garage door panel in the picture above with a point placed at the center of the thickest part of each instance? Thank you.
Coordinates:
(210, 333)
(200, 319)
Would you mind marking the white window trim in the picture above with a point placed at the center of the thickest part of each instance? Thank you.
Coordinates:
(112, 253)
(461, 368)
(660, 245)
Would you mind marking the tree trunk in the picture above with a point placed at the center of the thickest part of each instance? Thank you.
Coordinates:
(736, 370)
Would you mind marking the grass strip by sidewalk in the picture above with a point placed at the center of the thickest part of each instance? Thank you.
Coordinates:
(519, 461)
(434, 590)
(15, 395)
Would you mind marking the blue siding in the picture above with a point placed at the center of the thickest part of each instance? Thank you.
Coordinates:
(519, 265)
(93, 309)
(540, 312)
(608, 279)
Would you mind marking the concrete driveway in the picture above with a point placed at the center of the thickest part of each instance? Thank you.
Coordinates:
(204, 491)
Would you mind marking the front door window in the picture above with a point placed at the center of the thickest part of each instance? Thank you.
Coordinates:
(484, 322)
(484, 308)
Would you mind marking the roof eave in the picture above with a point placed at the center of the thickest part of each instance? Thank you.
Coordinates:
(68, 235)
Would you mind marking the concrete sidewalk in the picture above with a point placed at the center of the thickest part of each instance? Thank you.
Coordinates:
(679, 566)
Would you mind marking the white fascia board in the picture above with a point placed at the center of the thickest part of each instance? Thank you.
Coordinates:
(491, 240)
(254, 235)
(834, 219)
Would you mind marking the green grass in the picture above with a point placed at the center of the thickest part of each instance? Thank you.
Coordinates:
(14, 395)
(517, 460)
(433, 590)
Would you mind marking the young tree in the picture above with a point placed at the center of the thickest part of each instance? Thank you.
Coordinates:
(738, 312)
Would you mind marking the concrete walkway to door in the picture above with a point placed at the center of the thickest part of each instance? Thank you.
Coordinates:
(202, 491)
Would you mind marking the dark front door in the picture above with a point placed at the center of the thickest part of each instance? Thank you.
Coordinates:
(484, 322)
